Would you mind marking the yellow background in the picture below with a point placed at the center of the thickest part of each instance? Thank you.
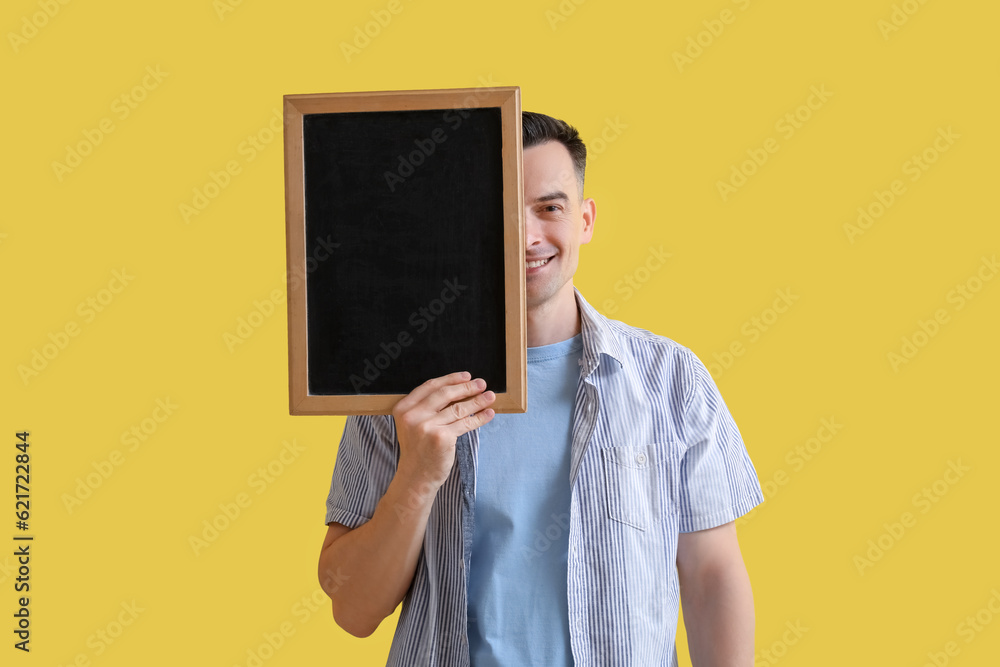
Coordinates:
(670, 134)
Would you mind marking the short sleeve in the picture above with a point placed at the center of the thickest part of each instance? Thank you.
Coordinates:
(366, 463)
(718, 480)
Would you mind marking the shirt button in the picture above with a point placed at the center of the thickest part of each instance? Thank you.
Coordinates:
(640, 459)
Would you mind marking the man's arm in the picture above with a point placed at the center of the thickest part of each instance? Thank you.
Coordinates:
(716, 597)
(367, 571)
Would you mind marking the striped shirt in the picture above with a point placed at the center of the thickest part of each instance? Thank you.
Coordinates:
(655, 452)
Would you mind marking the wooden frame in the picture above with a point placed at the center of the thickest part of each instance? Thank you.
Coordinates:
(296, 109)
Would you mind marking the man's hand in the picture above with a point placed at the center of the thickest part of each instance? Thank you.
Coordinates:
(430, 419)
(367, 570)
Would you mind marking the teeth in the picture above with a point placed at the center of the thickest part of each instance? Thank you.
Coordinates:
(535, 265)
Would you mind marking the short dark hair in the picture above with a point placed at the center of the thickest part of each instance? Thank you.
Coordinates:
(537, 129)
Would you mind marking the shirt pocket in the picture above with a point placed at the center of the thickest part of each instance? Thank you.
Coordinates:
(635, 484)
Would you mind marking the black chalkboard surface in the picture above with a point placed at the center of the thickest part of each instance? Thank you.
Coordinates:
(405, 226)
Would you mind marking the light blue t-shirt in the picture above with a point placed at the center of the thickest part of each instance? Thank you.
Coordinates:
(518, 610)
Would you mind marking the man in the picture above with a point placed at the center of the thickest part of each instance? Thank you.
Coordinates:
(567, 534)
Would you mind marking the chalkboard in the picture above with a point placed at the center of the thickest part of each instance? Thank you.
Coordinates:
(404, 224)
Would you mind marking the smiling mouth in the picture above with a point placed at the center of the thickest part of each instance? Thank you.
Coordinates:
(537, 263)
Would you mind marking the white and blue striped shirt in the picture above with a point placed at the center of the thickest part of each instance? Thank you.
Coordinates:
(655, 452)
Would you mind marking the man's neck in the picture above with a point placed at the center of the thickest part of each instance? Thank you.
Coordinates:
(554, 321)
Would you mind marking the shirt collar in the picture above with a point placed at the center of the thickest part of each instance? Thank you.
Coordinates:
(599, 337)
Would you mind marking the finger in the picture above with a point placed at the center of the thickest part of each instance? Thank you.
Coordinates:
(438, 402)
(471, 422)
(430, 386)
(462, 409)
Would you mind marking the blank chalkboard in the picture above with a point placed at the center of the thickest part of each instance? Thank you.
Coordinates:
(405, 246)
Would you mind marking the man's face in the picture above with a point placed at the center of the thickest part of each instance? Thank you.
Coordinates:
(557, 222)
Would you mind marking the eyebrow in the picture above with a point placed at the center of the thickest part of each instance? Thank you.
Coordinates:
(558, 194)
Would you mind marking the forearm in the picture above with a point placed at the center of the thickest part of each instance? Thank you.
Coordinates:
(367, 571)
(719, 616)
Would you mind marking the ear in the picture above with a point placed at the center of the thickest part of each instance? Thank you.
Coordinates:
(588, 210)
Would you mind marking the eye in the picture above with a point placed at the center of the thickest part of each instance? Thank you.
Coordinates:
(551, 208)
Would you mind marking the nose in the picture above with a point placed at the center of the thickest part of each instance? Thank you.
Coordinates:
(532, 229)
